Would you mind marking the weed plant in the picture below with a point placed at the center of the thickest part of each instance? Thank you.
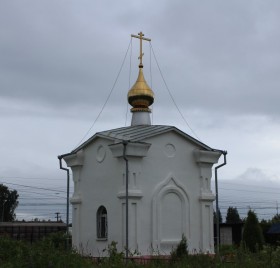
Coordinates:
(53, 252)
(50, 252)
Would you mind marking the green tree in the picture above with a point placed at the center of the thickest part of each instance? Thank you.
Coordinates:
(265, 226)
(232, 215)
(252, 234)
(8, 203)
(275, 219)
(220, 217)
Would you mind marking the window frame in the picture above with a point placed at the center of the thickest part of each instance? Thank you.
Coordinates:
(102, 223)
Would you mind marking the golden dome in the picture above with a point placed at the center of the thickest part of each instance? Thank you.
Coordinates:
(140, 96)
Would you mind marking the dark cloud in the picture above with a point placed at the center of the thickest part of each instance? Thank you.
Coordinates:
(220, 59)
(226, 54)
(213, 56)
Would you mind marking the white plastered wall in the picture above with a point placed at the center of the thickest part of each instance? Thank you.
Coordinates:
(171, 173)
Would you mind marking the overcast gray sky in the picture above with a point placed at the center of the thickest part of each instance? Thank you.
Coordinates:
(59, 60)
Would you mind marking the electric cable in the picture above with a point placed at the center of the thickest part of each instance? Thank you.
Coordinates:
(34, 187)
(151, 79)
(129, 80)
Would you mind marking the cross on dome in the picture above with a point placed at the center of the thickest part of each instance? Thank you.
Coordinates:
(140, 36)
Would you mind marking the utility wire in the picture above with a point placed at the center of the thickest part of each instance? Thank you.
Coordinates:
(20, 191)
(34, 187)
(241, 184)
(42, 204)
(129, 80)
(38, 193)
(38, 198)
(171, 96)
(251, 191)
(108, 97)
(151, 78)
(24, 178)
(234, 203)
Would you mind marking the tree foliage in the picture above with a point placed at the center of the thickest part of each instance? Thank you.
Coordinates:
(8, 203)
(252, 234)
(220, 217)
(232, 215)
(266, 225)
(275, 219)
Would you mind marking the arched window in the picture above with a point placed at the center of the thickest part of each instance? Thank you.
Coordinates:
(102, 226)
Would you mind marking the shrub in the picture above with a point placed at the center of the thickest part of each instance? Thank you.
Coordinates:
(49, 253)
(115, 258)
(181, 250)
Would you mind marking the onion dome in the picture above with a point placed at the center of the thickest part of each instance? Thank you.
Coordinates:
(140, 96)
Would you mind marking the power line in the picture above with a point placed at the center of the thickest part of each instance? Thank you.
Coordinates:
(241, 184)
(39, 198)
(34, 187)
(245, 202)
(26, 178)
(20, 191)
(248, 191)
(261, 200)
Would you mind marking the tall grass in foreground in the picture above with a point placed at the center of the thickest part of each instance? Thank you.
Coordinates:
(53, 252)
(50, 252)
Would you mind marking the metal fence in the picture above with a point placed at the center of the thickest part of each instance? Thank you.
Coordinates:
(30, 231)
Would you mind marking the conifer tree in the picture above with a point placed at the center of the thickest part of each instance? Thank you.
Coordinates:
(232, 215)
(252, 234)
(219, 215)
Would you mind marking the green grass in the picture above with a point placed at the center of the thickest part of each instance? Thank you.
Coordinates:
(52, 252)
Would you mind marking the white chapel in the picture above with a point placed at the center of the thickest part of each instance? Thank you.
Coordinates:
(142, 186)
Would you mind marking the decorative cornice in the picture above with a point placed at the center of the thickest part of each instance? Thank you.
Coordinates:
(133, 193)
(76, 159)
(207, 157)
(135, 149)
(75, 200)
(207, 197)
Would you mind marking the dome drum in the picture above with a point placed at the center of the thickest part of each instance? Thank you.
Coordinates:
(140, 101)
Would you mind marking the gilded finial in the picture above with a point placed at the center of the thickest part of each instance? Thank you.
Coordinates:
(140, 96)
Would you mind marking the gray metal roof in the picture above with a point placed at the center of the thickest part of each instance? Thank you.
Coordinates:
(138, 134)
(135, 133)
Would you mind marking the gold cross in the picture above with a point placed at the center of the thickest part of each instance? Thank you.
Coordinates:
(140, 36)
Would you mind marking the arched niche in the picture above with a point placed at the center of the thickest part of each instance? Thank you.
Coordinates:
(170, 214)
